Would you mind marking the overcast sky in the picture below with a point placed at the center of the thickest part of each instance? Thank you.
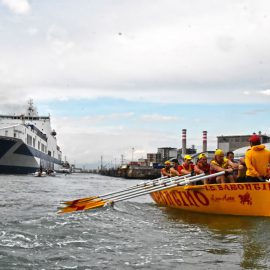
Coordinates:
(123, 74)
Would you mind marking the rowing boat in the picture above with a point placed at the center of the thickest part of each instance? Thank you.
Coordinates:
(243, 199)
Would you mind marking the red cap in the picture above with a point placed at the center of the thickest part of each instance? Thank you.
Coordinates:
(254, 139)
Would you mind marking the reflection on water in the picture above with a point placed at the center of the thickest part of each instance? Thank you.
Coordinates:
(253, 253)
(249, 231)
(217, 223)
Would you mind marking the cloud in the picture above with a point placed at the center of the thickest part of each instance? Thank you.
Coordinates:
(265, 92)
(32, 31)
(257, 111)
(21, 7)
(192, 56)
(92, 124)
(85, 139)
(58, 39)
(17, 94)
(184, 52)
(111, 142)
(158, 117)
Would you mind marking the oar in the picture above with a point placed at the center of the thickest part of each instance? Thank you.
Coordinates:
(101, 200)
(141, 185)
(100, 203)
(95, 197)
(180, 183)
(188, 181)
(81, 204)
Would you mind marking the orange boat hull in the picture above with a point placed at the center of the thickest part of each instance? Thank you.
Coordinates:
(244, 199)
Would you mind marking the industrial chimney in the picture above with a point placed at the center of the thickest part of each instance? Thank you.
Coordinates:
(204, 149)
(184, 142)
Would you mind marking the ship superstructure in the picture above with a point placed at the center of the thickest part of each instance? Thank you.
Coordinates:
(27, 142)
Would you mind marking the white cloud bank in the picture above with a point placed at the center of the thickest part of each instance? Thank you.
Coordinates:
(178, 51)
(17, 6)
(182, 51)
(266, 92)
(86, 142)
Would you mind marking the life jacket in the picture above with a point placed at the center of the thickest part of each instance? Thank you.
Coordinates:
(165, 170)
(188, 168)
(204, 168)
(223, 165)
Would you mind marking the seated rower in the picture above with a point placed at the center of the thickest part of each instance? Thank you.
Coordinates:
(257, 160)
(174, 168)
(230, 157)
(202, 166)
(187, 167)
(242, 169)
(219, 164)
(166, 170)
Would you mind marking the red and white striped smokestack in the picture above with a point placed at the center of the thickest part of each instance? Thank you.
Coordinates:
(184, 142)
(204, 141)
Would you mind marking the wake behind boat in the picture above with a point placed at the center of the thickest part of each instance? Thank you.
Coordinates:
(28, 143)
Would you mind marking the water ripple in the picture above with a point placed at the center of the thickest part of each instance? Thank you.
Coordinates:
(133, 235)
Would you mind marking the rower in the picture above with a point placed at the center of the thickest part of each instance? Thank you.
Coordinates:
(169, 170)
(174, 168)
(219, 164)
(202, 166)
(242, 169)
(187, 166)
(257, 160)
(166, 170)
(235, 167)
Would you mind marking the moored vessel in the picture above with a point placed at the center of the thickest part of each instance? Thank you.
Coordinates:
(28, 143)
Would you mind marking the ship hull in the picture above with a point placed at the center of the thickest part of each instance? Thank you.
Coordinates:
(18, 158)
(243, 199)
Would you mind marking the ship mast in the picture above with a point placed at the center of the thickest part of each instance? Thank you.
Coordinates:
(31, 110)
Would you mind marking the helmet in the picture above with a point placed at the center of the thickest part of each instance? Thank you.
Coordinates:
(202, 155)
(188, 157)
(219, 152)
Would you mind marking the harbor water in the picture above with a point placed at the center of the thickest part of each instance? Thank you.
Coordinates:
(134, 234)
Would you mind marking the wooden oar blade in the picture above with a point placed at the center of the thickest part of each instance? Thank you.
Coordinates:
(67, 209)
(83, 206)
(95, 205)
(86, 199)
(82, 203)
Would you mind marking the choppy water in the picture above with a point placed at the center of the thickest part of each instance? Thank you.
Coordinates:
(134, 234)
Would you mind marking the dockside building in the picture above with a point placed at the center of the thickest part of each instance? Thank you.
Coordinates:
(233, 142)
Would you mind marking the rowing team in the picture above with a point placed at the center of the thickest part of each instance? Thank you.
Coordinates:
(254, 167)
